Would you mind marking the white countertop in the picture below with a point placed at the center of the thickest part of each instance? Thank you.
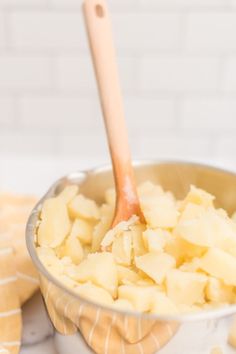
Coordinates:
(35, 175)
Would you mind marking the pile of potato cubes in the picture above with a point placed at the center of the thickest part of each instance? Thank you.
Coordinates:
(182, 260)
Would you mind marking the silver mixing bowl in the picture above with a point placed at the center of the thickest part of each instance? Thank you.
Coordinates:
(204, 332)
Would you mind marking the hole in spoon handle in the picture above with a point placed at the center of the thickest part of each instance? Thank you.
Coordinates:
(99, 10)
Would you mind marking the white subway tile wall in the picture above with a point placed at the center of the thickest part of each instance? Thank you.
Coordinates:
(177, 63)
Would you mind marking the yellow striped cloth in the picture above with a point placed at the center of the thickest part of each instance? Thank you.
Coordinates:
(18, 278)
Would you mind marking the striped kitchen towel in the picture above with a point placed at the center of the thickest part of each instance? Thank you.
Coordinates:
(18, 278)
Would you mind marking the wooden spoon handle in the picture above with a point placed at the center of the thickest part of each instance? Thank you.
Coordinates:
(104, 60)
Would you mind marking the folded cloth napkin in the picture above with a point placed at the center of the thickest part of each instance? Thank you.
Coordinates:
(18, 277)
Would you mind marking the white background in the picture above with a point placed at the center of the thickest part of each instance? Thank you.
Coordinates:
(177, 62)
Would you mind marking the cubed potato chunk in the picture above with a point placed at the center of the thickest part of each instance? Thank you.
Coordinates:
(162, 305)
(217, 291)
(47, 256)
(55, 223)
(82, 230)
(183, 251)
(149, 190)
(208, 230)
(198, 196)
(192, 211)
(81, 207)
(185, 287)
(102, 227)
(220, 264)
(160, 212)
(126, 275)
(68, 193)
(140, 297)
(155, 265)
(122, 248)
(69, 268)
(137, 239)
(156, 240)
(192, 266)
(100, 269)
(117, 231)
(73, 249)
(94, 293)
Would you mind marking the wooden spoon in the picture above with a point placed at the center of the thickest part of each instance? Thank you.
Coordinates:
(103, 53)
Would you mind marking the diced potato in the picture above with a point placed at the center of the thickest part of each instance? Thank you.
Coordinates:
(47, 256)
(49, 259)
(146, 281)
(73, 249)
(198, 196)
(102, 227)
(137, 239)
(192, 266)
(100, 269)
(81, 207)
(122, 248)
(220, 264)
(140, 297)
(162, 305)
(69, 268)
(82, 230)
(148, 189)
(155, 265)
(87, 249)
(229, 242)
(68, 193)
(222, 213)
(71, 271)
(208, 230)
(99, 232)
(55, 223)
(185, 287)
(183, 251)
(160, 212)
(126, 275)
(117, 230)
(123, 304)
(191, 211)
(217, 291)
(156, 240)
(106, 211)
(94, 293)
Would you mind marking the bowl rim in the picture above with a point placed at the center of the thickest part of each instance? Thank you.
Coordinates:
(81, 176)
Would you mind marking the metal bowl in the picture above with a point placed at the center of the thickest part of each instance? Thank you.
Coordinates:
(196, 333)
